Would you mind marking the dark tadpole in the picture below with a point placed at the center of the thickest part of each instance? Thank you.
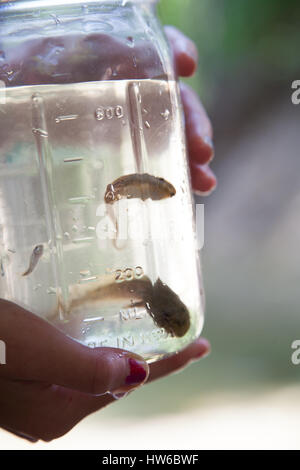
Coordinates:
(167, 309)
(34, 258)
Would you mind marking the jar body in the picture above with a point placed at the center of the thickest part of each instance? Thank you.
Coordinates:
(97, 223)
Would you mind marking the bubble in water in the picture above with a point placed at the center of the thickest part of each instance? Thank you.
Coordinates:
(130, 41)
(38, 286)
(74, 228)
(165, 114)
(147, 124)
(85, 272)
(51, 290)
(67, 235)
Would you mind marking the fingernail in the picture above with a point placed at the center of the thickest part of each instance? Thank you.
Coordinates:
(138, 372)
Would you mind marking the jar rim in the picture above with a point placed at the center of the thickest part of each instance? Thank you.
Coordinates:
(15, 5)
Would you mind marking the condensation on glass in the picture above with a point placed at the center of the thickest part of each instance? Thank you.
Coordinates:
(97, 231)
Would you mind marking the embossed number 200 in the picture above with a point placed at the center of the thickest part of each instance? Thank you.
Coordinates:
(109, 113)
(128, 274)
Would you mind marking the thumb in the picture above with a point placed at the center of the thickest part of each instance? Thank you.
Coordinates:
(36, 350)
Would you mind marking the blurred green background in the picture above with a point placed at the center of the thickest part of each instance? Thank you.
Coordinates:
(247, 60)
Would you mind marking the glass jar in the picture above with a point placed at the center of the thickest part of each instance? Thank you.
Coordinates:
(97, 231)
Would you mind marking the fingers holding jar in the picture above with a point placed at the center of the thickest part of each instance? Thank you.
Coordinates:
(198, 126)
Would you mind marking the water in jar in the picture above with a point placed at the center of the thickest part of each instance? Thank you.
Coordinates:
(122, 273)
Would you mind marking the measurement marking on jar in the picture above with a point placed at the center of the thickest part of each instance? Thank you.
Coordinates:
(56, 19)
(122, 342)
(109, 113)
(87, 279)
(73, 159)
(156, 335)
(81, 199)
(91, 319)
(132, 314)
(40, 132)
(83, 240)
(70, 117)
(128, 274)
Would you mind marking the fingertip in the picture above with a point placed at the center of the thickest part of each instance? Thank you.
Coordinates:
(137, 374)
(201, 149)
(185, 51)
(186, 64)
(202, 348)
(204, 180)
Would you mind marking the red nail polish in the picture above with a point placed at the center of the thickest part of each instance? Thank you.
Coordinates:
(137, 372)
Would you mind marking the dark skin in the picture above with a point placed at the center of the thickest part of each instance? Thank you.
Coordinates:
(51, 382)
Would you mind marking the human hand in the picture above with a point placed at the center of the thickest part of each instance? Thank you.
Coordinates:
(51, 382)
(197, 124)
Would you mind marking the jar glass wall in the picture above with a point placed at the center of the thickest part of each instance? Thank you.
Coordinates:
(97, 229)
